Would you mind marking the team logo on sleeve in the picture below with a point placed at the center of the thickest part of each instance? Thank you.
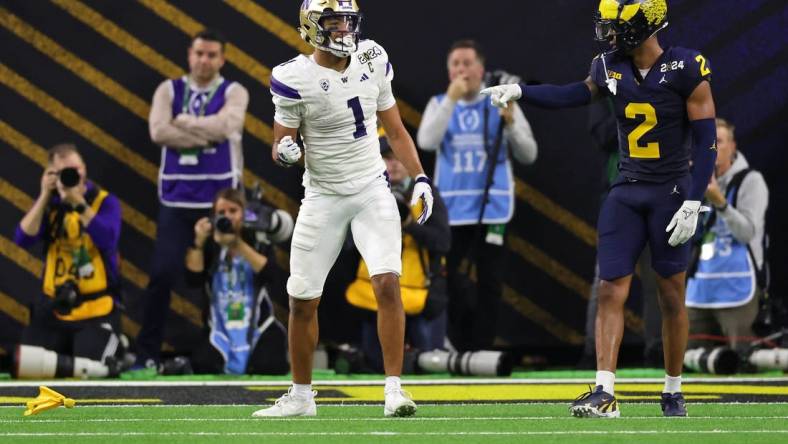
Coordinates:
(324, 84)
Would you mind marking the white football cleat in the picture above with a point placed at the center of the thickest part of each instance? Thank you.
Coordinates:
(289, 405)
(399, 404)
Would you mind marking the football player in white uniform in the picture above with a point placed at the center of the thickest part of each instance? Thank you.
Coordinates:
(334, 98)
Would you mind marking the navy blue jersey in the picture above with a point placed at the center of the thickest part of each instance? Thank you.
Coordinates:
(653, 129)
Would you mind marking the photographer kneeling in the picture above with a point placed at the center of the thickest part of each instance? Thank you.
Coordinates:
(243, 335)
(74, 328)
(423, 286)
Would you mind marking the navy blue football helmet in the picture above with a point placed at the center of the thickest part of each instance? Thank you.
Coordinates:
(626, 24)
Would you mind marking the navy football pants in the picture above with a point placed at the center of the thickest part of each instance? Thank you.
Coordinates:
(636, 212)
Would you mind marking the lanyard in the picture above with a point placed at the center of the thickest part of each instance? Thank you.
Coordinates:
(187, 95)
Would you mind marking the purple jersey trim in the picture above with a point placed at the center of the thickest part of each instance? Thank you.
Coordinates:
(283, 90)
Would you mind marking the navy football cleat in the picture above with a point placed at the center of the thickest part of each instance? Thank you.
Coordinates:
(595, 404)
(673, 404)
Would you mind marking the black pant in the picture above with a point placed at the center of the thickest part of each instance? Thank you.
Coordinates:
(174, 234)
(94, 338)
(473, 307)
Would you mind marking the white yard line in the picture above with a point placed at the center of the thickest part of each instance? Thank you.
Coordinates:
(416, 419)
(373, 382)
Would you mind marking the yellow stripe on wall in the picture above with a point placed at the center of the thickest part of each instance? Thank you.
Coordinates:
(59, 54)
(540, 317)
(78, 123)
(271, 23)
(555, 212)
(14, 309)
(120, 37)
(563, 275)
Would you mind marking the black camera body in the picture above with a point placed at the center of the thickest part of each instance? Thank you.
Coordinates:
(67, 297)
(222, 224)
(69, 177)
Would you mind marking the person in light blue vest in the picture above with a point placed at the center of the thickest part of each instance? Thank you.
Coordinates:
(723, 291)
(197, 120)
(466, 132)
(243, 336)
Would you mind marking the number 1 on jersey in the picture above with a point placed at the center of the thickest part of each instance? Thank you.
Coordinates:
(358, 113)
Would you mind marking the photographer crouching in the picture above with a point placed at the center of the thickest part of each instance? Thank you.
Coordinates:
(243, 336)
(74, 328)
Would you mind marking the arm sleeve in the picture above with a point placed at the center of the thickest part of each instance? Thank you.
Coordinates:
(556, 97)
(435, 235)
(749, 216)
(104, 228)
(24, 240)
(162, 131)
(521, 138)
(228, 121)
(704, 154)
(434, 123)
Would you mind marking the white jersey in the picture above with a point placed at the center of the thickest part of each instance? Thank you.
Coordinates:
(335, 113)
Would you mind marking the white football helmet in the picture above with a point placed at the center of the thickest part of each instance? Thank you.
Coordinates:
(320, 19)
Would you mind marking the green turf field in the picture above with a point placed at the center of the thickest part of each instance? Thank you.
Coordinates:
(543, 423)
(749, 410)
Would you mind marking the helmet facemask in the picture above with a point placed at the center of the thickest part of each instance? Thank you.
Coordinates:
(338, 33)
(625, 34)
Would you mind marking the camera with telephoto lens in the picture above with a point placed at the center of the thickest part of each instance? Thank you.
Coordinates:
(717, 360)
(66, 297)
(69, 177)
(264, 223)
(477, 363)
(769, 359)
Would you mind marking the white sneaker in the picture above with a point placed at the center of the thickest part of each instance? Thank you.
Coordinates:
(289, 405)
(398, 403)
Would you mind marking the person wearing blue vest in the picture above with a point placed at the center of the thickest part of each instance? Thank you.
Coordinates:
(198, 120)
(723, 292)
(466, 132)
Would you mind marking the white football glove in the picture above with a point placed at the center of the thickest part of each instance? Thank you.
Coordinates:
(288, 151)
(685, 222)
(501, 95)
(422, 193)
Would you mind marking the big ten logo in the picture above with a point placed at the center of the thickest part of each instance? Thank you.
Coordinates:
(614, 75)
(368, 55)
(469, 120)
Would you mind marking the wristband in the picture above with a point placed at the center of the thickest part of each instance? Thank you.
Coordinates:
(423, 178)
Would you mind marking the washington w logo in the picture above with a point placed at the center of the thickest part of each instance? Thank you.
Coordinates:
(345, 3)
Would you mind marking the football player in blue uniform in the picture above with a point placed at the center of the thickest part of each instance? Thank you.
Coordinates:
(665, 113)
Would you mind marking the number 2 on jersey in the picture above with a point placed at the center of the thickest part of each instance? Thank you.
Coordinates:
(651, 149)
(358, 113)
